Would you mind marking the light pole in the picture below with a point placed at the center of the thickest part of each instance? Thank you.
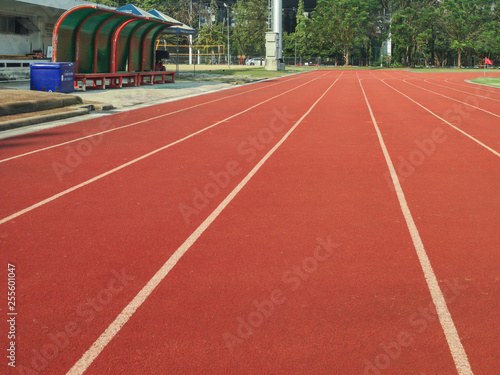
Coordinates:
(295, 52)
(228, 55)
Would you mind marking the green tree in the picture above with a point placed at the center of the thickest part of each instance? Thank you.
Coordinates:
(288, 45)
(464, 20)
(323, 42)
(430, 32)
(249, 32)
(404, 30)
(185, 11)
(303, 31)
(109, 3)
(212, 33)
(344, 22)
(489, 40)
(417, 29)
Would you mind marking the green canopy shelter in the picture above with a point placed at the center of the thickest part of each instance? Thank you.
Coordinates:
(104, 40)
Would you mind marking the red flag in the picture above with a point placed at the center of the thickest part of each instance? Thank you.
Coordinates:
(488, 61)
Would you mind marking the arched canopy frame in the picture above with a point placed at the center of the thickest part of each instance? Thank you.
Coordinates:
(102, 40)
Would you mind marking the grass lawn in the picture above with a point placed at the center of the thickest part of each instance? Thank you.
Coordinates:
(491, 81)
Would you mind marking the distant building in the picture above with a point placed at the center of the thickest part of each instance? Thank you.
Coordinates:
(26, 26)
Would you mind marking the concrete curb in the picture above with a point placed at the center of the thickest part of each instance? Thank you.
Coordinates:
(12, 124)
(15, 108)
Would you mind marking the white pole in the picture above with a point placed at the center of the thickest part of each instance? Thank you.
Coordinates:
(177, 53)
(277, 25)
(228, 23)
(190, 49)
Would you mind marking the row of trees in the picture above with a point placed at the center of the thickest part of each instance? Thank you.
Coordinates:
(445, 32)
(247, 33)
(248, 19)
(186, 11)
(422, 31)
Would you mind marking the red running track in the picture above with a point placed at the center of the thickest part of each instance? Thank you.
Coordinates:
(261, 230)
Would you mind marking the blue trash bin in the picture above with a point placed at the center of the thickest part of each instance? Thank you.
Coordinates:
(53, 77)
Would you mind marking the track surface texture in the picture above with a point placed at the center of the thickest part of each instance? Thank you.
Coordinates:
(332, 222)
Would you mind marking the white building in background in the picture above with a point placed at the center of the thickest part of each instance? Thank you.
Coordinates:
(386, 53)
(27, 26)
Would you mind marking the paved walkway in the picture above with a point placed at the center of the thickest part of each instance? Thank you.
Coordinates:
(124, 97)
(21, 107)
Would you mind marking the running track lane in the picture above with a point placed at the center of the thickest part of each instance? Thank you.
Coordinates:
(122, 120)
(445, 83)
(342, 313)
(297, 252)
(469, 88)
(65, 166)
(129, 223)
(482, 125)
(469, 101)
(453, 190)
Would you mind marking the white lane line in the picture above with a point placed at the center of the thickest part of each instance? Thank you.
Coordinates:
(98, 346)
(456, 100)
(143, 121)
(445, 121)
(102, 175)
(456, 348)
(465, 92)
